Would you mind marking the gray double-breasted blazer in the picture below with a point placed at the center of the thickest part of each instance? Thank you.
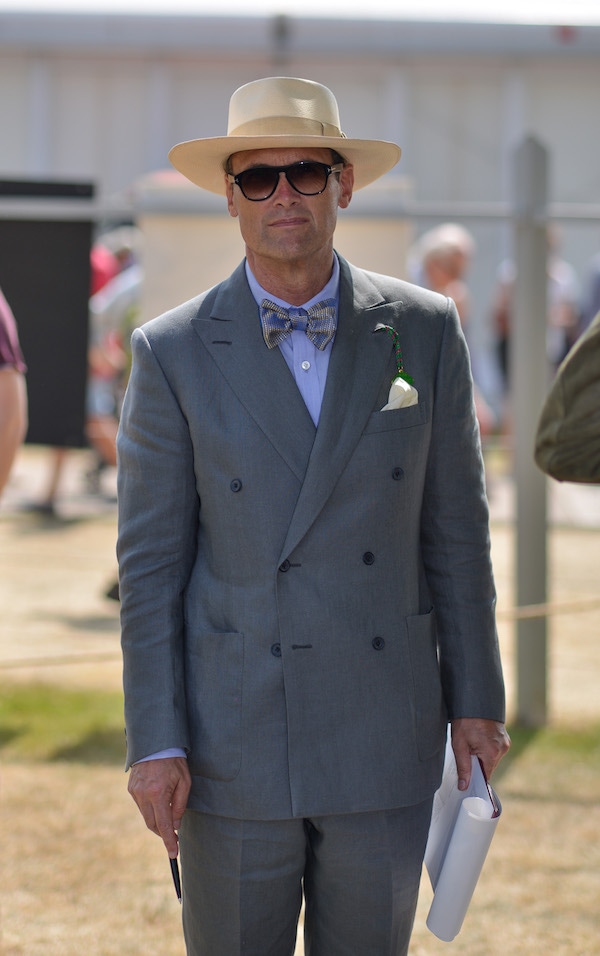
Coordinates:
(303, 609)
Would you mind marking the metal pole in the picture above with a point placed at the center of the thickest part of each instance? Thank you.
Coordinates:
(529, 373)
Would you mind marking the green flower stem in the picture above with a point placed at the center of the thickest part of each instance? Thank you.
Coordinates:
(399, 364)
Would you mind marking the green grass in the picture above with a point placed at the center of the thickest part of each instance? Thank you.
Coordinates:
(559, 740)
(557, 761)
(42, 722)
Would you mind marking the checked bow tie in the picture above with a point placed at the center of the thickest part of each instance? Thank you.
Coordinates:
(318, 322)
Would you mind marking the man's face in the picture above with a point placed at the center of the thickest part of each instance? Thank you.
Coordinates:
(288, 226)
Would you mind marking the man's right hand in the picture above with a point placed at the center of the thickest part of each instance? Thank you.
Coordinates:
(161, 789)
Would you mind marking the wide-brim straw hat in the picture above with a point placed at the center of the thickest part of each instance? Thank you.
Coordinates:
(281, 112)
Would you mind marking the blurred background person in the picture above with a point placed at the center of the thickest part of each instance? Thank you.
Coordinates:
(440, 261)
(112, 316)
(115, 281)
(113, 311)
(567, 441)
(13, 391)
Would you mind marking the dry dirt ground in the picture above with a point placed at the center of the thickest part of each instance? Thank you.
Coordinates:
(80, 874)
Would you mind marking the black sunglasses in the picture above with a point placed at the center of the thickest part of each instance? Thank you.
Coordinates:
(307, 178)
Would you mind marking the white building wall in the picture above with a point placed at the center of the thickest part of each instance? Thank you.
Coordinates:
(103, 98)
(17, 75)
(111, 113)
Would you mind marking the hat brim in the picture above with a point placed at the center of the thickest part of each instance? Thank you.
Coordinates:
(202, 161)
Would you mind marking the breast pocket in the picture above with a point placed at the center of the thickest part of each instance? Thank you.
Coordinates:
(398, 418)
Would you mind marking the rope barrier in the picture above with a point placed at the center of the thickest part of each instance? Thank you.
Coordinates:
(58, 660)
(551, 609)
(526, 611)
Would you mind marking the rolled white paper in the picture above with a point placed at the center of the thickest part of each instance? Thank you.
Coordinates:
(463, 861)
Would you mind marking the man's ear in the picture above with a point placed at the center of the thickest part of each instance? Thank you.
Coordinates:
(231, 208)
(346, 186)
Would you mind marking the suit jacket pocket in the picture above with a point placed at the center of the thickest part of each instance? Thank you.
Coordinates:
(214, 674)
(430, 710)
(398, 418)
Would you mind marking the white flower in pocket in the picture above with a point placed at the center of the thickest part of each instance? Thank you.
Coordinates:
(402, 391)
(402, 394)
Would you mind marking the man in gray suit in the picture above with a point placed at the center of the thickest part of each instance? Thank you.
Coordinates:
(307, 596)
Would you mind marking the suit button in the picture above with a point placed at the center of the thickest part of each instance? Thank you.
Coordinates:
(285, 566)
(276, 650)
(369, 557)
(397, 474)
(236, 485)
(378, 643)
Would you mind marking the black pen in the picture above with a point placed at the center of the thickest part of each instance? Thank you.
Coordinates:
(175, 874)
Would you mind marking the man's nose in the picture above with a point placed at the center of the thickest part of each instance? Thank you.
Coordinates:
(284, 189)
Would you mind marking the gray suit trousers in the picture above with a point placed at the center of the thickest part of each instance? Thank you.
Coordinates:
(243, 883)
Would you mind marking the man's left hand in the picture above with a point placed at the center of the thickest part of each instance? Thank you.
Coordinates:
(474, 736)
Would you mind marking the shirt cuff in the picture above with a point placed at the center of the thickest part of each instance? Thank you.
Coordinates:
(162, 754)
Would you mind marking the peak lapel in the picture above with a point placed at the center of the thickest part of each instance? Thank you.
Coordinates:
(231, 333)
(359, 361)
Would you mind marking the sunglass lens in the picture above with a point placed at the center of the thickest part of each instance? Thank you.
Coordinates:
(308, 178)
(258, 183)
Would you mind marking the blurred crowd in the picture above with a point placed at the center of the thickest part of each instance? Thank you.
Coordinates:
(441, 259)
(115, 286)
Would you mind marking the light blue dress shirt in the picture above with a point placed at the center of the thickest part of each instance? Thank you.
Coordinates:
(306, 362)
(308, 365)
